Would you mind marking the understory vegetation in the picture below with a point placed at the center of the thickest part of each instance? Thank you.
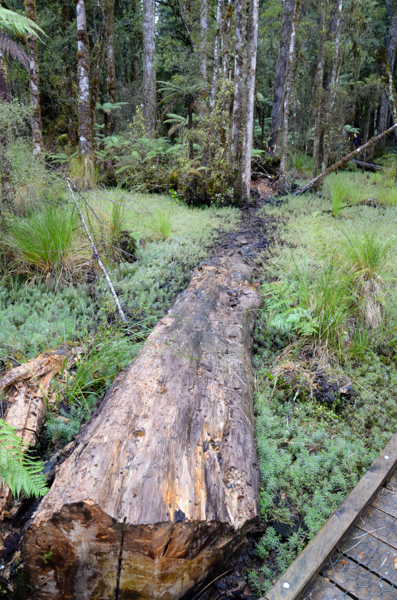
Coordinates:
(325, 354)
(53, 294)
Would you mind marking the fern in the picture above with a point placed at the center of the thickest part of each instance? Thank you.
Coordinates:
(14, 50)
(284, 313)
(19, 24)
(17, 469)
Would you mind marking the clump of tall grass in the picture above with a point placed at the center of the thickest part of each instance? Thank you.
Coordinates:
(302, 164)
(46, 244)
(83, 173)
(159, 224)
(344, 190)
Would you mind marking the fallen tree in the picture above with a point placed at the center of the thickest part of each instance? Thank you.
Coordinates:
(162, 485)
(343, 162)
(23, 406)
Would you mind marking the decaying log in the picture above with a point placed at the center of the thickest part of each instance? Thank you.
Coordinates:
(23, 403)
(343, 162)
(367, 166)
(162, 486)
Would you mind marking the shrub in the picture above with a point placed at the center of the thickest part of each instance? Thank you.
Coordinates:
(46, 244)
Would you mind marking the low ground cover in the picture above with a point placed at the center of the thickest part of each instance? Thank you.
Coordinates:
(325, 354)
(52, 293)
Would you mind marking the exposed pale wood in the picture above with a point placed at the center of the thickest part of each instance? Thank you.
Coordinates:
(303, 570)
(25, 389)
(163, 483)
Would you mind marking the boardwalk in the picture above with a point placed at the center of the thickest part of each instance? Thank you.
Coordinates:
(354, 556)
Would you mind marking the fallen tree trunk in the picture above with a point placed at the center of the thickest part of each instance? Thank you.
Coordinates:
(162, 486)
(343, 162)
(24, 390)
(367, 166)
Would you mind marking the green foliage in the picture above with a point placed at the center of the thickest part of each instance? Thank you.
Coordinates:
(17, 469)
(159, 223)
(16, 23)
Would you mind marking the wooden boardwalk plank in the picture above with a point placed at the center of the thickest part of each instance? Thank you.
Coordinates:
(303, 570)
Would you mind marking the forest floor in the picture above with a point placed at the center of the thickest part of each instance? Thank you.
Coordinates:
(326, 390)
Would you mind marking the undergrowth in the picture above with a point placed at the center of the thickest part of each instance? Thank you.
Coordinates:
(326, 360)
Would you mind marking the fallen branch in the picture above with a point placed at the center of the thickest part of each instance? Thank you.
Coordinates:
(343, 162)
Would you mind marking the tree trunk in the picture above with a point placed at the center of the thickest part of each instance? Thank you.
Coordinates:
(83, 69)
(334, 81)
(34, 81)
(238, 79)
(110, 63)
(319, 88)
(4, 91)
(163, 484)
(294, 103)
(391, 46)
(281, 71)
(250, 98)
(149, 66)
(203, 41)
(216, 54)
(287, 92)
(343, 162)
(227, 32)
(68, 76)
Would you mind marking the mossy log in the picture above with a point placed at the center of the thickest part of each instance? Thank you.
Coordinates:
(162, 486)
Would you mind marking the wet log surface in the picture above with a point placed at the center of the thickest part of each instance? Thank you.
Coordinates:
(162, 486)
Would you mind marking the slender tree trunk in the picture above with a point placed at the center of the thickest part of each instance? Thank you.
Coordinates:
(149, 65)
(250, 95)
(227, 32)
(216, 54)
(337, 25)
(391, 46)
(319, 88)
(366, 129)
(343, 162)
(281, 71)
(4, 91)
(110, 63)
(68, 77)
(34, 80)
(203, 41)
(376, 110)
(83, 70)
(294, 103)
(97, 60)
(238, 79)
(287, 92)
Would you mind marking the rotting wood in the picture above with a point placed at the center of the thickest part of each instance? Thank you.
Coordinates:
(23, 405)
(162, 486)
(303, 570)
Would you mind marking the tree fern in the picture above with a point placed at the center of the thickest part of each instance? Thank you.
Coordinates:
(14, 50)
(19, 24)
(17, 469)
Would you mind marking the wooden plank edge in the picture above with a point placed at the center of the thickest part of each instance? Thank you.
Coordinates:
(292, 584)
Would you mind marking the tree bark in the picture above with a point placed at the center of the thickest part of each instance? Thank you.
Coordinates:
(238, 79)
(34, 81)
(83, 69)
(330, 101)
(319, 88)
(149, 66)
(162, 485)
(391, 46)
(68, 77)
(281, 71)
(226, 39)
(203, 41)
(4, 91)
(250, 98)
(287, 92)
(215, 68)
(343, 162)
(110, 63)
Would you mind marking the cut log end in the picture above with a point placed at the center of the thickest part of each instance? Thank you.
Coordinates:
(163, 484)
